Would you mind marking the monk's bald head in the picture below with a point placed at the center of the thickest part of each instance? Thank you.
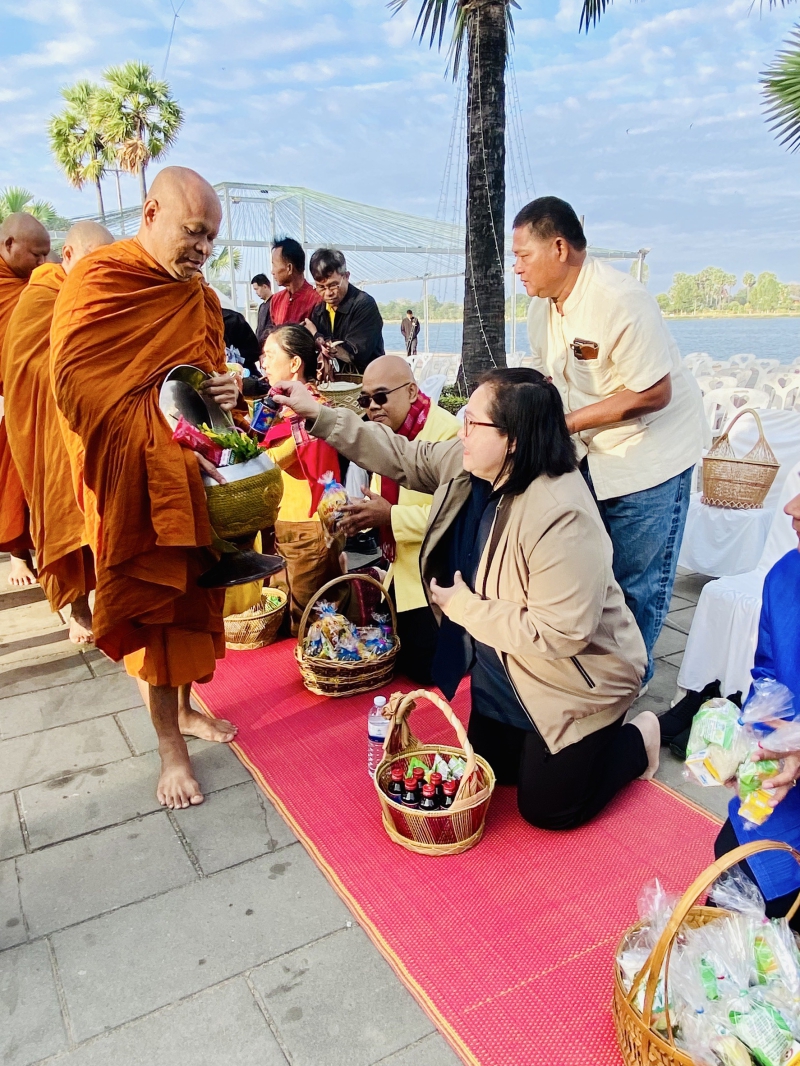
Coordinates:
(81, 239)
(24, 243)
(180, 219)
(389, 375)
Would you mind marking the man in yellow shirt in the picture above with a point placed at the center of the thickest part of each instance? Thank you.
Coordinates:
(392, 398)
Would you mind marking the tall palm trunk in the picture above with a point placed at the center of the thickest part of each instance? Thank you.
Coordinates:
(483, 345)
(101, 209)
(143, 182)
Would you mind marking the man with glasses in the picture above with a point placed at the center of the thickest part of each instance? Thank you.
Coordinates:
(347, 321)
(391, 397)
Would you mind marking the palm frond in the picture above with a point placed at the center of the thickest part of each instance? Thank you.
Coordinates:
(593, 9)
(781, 89)
(436, 14)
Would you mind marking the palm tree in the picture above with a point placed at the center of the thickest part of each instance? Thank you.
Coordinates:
(781, 88)
(14, 198)
(78, 141)
(482, 28)
(218, 268)
(140, 115)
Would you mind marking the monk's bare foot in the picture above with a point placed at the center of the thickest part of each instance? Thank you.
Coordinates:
(177, 787)
(80, 623)
(193, 724)
(648, 725)
(21, 573)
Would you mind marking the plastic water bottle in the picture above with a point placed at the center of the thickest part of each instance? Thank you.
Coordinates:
(377, 730)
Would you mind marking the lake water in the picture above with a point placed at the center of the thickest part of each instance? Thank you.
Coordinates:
(766, 338)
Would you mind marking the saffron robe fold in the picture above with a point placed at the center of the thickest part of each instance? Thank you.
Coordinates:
(121, 323)
(14, 532)
(63, 561)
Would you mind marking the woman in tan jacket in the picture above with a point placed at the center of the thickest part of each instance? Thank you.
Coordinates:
(516, 564)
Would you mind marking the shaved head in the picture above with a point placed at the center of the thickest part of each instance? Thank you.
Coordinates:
(387, 375)
(180, 219)
(83, 238)
(24, 243)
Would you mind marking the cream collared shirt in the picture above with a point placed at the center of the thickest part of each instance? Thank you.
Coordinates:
(635, 351)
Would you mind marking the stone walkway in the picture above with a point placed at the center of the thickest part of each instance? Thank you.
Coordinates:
(133, 935)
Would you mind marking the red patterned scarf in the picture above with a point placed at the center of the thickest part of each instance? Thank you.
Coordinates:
(390, 490)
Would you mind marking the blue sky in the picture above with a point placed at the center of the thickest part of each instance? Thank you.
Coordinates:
(651, 125)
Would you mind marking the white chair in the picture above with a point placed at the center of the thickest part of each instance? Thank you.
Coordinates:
(743, 359)
(785, 398)
(768, 364)
(697, 361)
(432, 386)
(722, 639)
(709, 382)
(720, 405)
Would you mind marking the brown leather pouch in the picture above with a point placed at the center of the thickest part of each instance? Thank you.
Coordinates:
(585, 350)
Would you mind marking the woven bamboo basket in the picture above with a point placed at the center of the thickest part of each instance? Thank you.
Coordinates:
(241, 508)
(640, 1044)
(329, 677)
(256, 627)
(447, 832)
(342, 393)
(739, 483)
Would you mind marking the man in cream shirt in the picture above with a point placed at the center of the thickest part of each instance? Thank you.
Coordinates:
(635, 414)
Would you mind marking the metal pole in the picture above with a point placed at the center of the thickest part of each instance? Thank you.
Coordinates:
(119, 201)
(230, 249)
(425, 312)
(272, 235)
(514, 316)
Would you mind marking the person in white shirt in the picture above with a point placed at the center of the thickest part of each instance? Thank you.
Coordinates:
(634, 412)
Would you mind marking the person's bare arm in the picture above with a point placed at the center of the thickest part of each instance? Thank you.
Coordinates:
(622, 406)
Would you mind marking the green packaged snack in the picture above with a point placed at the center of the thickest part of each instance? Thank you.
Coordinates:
(752, 775)
(763, 1029)
(716, 742)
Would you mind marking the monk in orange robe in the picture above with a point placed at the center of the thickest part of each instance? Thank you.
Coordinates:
(125, 317)
(24, 245)
(63, 558)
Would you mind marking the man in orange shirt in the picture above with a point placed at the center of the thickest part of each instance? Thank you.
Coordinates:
(126, 316)
(63, 557)
(24, 245)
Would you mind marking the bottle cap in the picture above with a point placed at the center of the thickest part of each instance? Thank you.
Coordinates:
(379, 701)
(436, 779)
(450, 788)
(397, 773)
(429, 790)
(418, 773)
(411, 783)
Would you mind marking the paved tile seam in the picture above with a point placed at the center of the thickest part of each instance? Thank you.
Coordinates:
(73, 721)
(187, 847)
(62, 996)
(23, 825)
(408, 1047)
(269, 1019)
(125, 735)
(144, 899)
(19, 903)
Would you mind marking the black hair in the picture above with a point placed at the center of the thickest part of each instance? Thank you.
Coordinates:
(261, 279)
(292, 252)
(409, 312)
(326, 261)
(550, 217)
(297, 341)
(527, 409)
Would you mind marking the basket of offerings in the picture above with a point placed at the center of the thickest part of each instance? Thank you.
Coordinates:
(701, 985)
(258, 626)
(338, 658)
(739, 483)
(457, 822)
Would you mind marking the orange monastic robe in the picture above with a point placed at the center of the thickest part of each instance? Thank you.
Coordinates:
(63, 561)
(14, 534)
(121, 323)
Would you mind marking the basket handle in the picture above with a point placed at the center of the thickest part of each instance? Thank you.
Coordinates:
(722, 439)
(401, 705)
(706, 879)
(344, 578)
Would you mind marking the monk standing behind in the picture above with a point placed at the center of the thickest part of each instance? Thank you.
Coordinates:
(63, 557)
(126, 316)
(24, 245)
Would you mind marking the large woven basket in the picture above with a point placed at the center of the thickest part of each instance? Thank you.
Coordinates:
(256, 627)
(640, 1044)
(342, 393)
(245, 504)
(329, 677)
(739, 483)
(447, 832)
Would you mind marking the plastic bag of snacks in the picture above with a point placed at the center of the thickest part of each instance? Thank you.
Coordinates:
(333, 636)
(189, 436)
(769, 724)
(717, 744)
(655, 907)
(334, 498)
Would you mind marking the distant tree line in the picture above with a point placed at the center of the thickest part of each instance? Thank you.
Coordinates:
(712, 290)
(443, 311)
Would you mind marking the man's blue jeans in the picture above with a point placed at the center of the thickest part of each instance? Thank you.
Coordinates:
(646, 529)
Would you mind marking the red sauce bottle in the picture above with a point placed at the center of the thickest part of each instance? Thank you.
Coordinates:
(449, 788)
(419, 777)
(410, 792)
(436, 781)
(428, 801)
(395, 789)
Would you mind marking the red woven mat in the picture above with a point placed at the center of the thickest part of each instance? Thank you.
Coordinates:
(508, 947)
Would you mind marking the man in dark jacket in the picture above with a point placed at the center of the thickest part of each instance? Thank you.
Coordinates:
(409, 327)
(263, 290)
(347, 315)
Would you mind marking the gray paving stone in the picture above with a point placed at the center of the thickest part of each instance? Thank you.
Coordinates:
(12, 926)
(101, 665)
(33, 677)
(670, 771)
(56, 752)
(89, 800)
(327, 1020)
(30, 1018)
(137, 959)
(216, 766)
(434, 1050)
(220, 1027)
(66, 704)
(235, 825)
(678, 603)
(660, 691)
(689, 586)
(683, 618)
(669, 642)
(138, 729)
(81, 878)
(11, 842)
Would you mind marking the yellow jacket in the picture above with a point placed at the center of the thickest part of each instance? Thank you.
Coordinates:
(410, 519)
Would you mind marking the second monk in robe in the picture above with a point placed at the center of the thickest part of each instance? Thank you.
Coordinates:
(126, 316)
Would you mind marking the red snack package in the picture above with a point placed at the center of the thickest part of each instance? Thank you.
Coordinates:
(189, 436)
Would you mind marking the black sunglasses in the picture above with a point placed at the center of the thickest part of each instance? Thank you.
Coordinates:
(380, 397)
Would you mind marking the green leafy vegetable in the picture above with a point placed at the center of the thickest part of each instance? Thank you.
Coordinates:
(242, 447)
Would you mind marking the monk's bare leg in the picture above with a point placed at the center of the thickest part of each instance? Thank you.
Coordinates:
(191, 722)
(80, 621)
(22, 572)
(177, 787)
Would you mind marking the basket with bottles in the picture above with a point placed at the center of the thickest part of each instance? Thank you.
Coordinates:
(434, 797)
